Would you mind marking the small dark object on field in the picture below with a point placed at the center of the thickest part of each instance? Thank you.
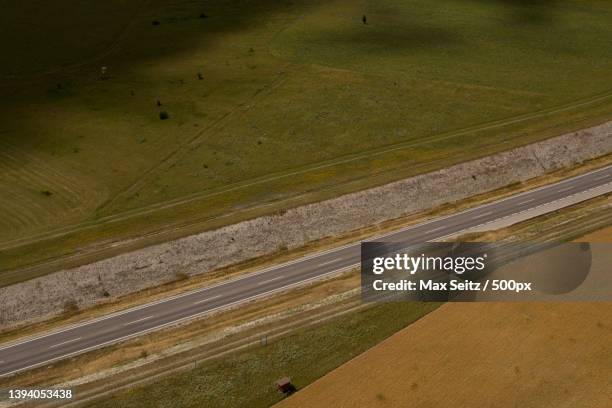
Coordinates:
(364, 19)
(205, 166)
(47, 193)
(200, 76)
(163, 115)
(259, 142)
(155, 22)
(284, 385)
(59, 86)
(132, 93)
(105, 293)
(203, 15)
(251, 49)
(159, 103)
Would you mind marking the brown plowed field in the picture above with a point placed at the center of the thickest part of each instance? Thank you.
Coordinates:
(480, 355)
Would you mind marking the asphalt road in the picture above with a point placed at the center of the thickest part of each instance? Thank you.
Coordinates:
(34, 352)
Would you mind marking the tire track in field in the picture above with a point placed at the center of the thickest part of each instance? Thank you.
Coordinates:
(28, 168)
(33, 168)
(317, 166)
(192, 144)
(35, 195)
(13, 213)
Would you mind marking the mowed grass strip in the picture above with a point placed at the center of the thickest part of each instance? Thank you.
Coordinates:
(259, 89)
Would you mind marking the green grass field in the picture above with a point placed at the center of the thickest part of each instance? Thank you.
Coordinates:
(297, 101)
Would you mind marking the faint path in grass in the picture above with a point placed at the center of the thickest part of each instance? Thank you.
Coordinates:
(173, 157)
(122, 216)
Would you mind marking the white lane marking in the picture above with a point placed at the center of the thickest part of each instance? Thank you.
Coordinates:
(564, 189)
(314, 255)
(206, 300)
(435, 229)
(602, 177)
(261, 272)
(270, 280)
(224, 306)
(330, 262)
(231, 304)
(484, 214)
(187, 318)
(65, 342)
(546, 204)
(526, 201)
(139, 320)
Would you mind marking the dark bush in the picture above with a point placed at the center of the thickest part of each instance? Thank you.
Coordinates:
(163, 115)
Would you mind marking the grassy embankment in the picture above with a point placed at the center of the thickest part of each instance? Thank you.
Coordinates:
(297, 102)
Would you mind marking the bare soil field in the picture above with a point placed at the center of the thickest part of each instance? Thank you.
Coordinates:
(480, 355)
(603, 235)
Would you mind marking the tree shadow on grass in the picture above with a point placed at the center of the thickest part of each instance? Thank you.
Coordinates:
(362, 42)
(532, 12)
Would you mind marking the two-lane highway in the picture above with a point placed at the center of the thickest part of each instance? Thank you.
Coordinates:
(37, 351)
